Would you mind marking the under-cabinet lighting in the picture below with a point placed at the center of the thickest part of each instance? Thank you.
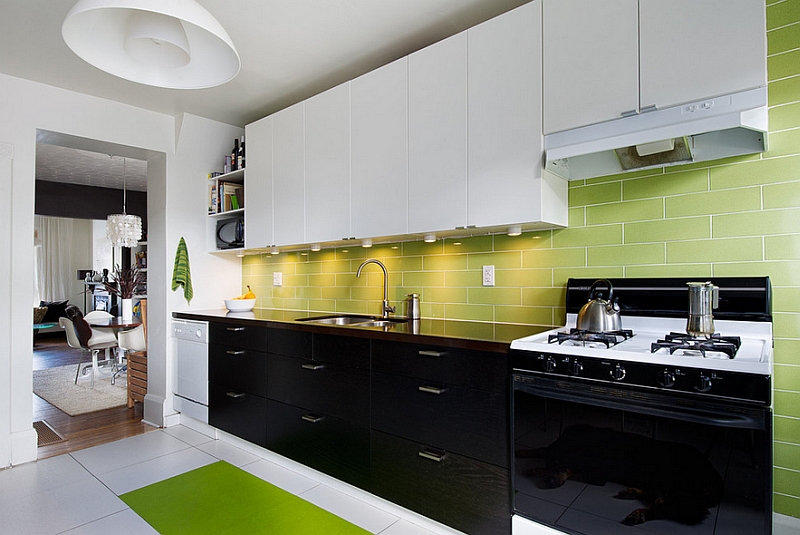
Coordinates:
(274, 250)
(429, 238)
(316, 247)
(515, 230)
(366, 242)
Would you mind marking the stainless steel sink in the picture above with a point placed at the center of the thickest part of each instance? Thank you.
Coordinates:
(390, 322)
(353, 320)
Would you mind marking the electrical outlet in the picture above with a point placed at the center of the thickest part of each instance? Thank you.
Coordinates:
(488, 275)
(277, 278)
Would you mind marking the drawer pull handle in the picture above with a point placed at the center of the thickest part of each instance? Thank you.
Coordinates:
(235, 352)
(436, 456)
(234, 329)
(432, 390)
(313, 367)
(313, 418)
(431, 353)
(236, 395)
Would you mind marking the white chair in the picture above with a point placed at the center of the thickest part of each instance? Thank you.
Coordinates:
(89, 338)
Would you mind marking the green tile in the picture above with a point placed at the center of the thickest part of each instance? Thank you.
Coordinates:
(786, 505)
(786, 481)
(309, 292)
(782, 14)
(572, 257)
(520, 277)
(367, 277)
(783, 91)
(322, 305)
(714, 202)
(308, 267)
(467, 278)
(296, 304)
(787, 351)
(423, 278)
(616, 255)
(362, 293)
(788, 456)
(295, 280)
(431, 310)
(323, 255)
(411, 248)
(661, 185)
(782, 195)
(786, 378)
(322, 279)
(544, 297)
(595, 194)
(783, 39)
(560, 276)
(785, 325)
(444, 295)
(743, 269)
(465, 329)
(782, 247)
(690, 228)
(445, 262)
(494, 296)
(384, 250)
(671, 270)
(786, 429)
(354, 251)
(756, 173)
(527, 315)
(477, 244)
(625, 211)
(501, 260)
(469, 312)
(336, 266)
(577, 237)
(403, 263)
(782, 221)
(626, 176)
(356, 307)
(783, 143)
(783, 117)
(523, 242)
(717, 250)
(283, 292)
(786, 300)
(577, 217)
(783, 65)
(335, 292)
(787, 404)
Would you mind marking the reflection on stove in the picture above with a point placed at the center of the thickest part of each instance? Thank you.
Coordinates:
(582, 337)
(718, 346)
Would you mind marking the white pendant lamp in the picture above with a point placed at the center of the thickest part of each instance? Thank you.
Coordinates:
(124, 230)
(176, 44)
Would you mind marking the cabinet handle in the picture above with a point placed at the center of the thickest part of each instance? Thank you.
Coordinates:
(437, 456)
(651, 107)
(432, 390)
(629, 113)
(431, 353)
(313, 367)
(234, 329)
(235, 352)
(313, 418)
(236, 395)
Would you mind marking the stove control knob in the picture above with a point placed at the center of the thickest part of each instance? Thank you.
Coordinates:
(618, 373)
(665, 379)
(549, 364)
(575, 367)
(704, 385)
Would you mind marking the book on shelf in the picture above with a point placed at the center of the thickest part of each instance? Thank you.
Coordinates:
(231, 196)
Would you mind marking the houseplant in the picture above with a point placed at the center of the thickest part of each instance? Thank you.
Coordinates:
(123, 284)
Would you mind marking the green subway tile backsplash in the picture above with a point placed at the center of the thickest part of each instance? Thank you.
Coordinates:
(735, 217)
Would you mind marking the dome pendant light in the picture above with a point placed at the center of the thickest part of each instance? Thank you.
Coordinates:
(175, 44)
(124, 230)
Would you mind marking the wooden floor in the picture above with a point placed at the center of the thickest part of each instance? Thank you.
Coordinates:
(84, 430)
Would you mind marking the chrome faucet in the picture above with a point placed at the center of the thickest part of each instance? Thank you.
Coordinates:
(386, 309)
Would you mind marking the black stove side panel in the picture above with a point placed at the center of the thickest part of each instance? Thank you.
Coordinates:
(740, 298)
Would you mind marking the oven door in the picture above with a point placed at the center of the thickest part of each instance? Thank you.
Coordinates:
(589, 458)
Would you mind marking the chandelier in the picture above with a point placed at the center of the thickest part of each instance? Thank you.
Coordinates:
(124, 230)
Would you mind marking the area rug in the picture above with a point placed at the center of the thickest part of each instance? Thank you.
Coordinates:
(221, 499)
(57, 386)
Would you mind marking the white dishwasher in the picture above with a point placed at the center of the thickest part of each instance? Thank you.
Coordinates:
(191, 368)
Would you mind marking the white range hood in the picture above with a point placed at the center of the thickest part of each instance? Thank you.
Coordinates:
(709, 129)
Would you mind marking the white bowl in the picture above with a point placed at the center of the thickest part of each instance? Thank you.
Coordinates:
(240, 305)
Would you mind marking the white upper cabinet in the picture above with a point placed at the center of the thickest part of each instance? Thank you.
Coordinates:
(379, 151)
(591, 61)
(437, 139)
(608, 58)
(288, 175)
(328, 165)
(505, 142)
(258, 177)
(694, 49)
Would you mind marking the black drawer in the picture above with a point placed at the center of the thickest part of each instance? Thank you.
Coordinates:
(238, 335)
(458, 491)
(464, 420)
(463, 367)
(320, 387)
(244, 370)
(288, 342)
(238, 413)
(338, 448)
(343, 350)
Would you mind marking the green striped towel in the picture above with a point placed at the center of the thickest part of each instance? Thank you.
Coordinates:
(181, 274)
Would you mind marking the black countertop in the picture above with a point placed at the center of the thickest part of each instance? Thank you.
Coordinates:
(484, 336)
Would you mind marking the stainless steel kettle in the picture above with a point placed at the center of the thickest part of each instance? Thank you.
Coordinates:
(600, 315)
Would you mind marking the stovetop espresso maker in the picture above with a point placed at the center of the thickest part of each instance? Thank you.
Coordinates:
(703, 299)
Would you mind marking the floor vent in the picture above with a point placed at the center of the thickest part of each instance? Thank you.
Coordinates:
(46, 434)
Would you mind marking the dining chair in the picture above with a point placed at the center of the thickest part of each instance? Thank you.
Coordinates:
(90, 338)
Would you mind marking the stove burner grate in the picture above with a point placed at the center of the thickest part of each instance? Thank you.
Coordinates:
(727, 345)
(609, 338)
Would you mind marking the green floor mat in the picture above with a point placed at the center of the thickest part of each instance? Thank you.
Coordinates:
(222, 499)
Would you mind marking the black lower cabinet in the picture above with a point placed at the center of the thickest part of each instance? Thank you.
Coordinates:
(333, 446)
(238, 413)
(468, 495)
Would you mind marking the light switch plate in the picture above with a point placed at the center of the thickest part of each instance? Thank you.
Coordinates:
(488, 275)
(277, 278)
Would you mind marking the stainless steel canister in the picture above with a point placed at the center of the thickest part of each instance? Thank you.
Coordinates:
(412, 306)
(703, 299)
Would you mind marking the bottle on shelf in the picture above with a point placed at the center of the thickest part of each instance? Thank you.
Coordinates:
(235, 155)
(240, 161)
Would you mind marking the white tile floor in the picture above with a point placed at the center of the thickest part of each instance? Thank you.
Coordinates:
(77, 493)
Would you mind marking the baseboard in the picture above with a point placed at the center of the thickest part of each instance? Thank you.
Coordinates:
(785, 524)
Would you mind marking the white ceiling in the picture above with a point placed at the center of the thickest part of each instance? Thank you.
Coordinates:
(290, 50)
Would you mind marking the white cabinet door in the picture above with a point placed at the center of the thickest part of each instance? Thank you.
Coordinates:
(437, 138)
(694, 49)
(505, 144)
(258, 184)
(379, 145)
(591, 61)
(288, 167)
(328, 165)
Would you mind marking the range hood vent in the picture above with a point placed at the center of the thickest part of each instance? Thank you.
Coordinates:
(710, 129)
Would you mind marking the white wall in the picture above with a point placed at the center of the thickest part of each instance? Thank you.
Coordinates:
(179, 154)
